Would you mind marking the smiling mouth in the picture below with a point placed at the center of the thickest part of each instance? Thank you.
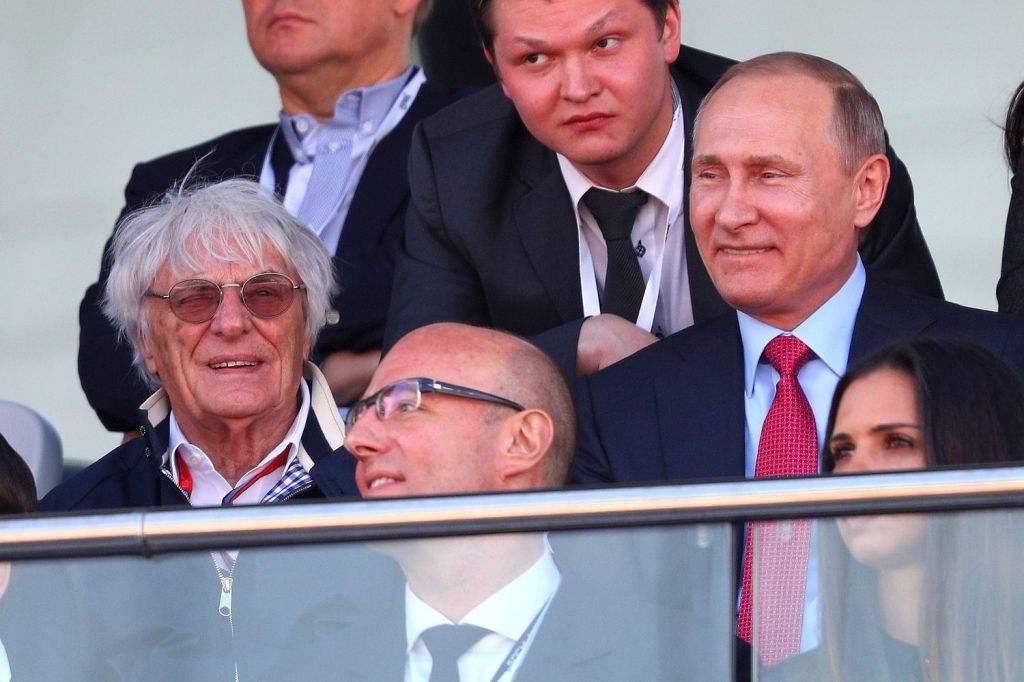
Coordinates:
(383, 480)
(233, 363)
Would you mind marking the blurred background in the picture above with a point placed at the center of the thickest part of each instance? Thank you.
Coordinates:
(88, 89)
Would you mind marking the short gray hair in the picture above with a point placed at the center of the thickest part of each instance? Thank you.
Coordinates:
(230, 221)
(857, 126)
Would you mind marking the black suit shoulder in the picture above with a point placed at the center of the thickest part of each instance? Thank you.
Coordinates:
(242, 149)
(889, 314)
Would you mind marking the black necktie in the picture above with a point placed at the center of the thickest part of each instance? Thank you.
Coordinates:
(623, 281)
(446, 643)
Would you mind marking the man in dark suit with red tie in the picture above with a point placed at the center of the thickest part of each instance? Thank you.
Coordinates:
(789, 169)
(595, 97)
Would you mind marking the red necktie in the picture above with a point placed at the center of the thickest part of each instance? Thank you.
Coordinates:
(788, 447)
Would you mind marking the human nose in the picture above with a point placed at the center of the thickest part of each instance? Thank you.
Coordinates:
(232, 317)
(734, 207)
(365, 437)
(579, 82)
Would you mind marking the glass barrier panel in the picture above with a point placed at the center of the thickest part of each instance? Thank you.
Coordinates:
(891, 597)
(637, 604)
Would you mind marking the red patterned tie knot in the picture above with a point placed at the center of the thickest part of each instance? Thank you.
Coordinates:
(787, 354)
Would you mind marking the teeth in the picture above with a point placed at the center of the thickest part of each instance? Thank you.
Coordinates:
(233, 363)
(381, 481)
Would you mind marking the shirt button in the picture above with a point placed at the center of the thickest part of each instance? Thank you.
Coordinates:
(366, 127)
(195, 458)
(302, 125)
(333, 147)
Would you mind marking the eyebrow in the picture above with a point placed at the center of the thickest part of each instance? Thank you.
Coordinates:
(595, 27)
(753, 160)
(878, 428)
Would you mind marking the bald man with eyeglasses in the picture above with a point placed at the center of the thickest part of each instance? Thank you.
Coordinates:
(455, 409)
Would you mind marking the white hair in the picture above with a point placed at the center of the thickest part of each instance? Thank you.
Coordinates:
(227, 222)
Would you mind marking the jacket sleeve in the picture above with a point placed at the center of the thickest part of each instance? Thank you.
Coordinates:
(591, 465)
(436, 279)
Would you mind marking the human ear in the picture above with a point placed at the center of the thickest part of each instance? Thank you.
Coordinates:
(871, 182)
(528, 437)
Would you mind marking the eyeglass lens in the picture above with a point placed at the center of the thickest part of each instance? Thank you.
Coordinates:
(196, 300)
(398, 398)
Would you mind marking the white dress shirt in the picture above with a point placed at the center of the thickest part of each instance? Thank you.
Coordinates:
(208, 486)
(658, 227)
(508, 613)
(828, 332)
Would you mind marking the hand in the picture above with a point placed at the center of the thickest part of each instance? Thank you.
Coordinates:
(605, 339)
(348, 373)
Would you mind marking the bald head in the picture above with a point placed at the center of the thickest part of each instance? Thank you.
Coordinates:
(485, 360)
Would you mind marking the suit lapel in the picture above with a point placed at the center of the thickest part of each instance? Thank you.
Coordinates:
(571, 640)
(547, 225)
(384, 185)
(700, 405)
(281, 161)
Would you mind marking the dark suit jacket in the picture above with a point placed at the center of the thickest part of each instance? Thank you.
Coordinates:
(674, 411)
(491, 231)
(364, 259)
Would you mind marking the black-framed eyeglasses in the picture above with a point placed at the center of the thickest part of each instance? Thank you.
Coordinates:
(406, 395)
(266, 295)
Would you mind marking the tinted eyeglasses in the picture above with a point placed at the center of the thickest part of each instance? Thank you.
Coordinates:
(406, 395)
(266, 295)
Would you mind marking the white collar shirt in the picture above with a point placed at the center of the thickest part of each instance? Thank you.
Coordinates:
(208, 486)
(508, 613)
(828, 332)
(657, 236)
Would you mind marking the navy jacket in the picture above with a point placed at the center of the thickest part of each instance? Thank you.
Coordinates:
(130, 476)
(674, 411)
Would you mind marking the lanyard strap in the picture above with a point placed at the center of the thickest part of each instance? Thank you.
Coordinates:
(185, 477)
(521, 643)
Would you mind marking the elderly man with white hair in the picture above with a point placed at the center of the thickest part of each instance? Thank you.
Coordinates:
(221, 293)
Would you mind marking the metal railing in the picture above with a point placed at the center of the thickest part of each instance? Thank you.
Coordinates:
(152, 532)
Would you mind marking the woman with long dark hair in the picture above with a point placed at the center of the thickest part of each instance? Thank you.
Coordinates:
(925, 597)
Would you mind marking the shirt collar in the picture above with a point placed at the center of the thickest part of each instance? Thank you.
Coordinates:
(827, 331)
(359, 111)
(292, 439)
(660, 177)
(508, 612)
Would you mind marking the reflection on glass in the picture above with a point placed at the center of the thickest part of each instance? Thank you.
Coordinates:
(651, 604)
(916, 597)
